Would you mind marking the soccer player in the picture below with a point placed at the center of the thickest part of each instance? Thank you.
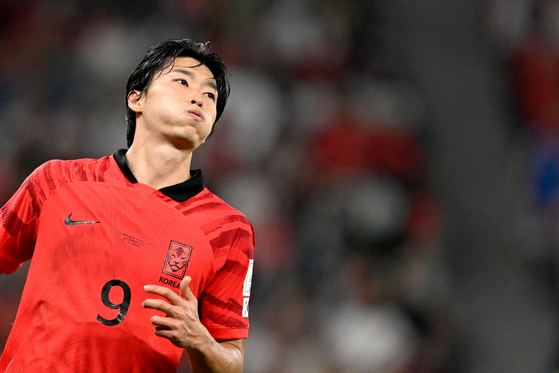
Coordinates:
(133, 259)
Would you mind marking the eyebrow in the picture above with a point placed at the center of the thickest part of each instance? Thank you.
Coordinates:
(209, 82)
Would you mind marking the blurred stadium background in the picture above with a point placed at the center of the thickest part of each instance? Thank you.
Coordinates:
(398, 159)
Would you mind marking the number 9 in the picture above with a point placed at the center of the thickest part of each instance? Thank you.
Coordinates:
(123, 306)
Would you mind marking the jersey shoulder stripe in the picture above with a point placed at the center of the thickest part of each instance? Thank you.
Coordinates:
(214, 214)
(227, 322)
(231, 305)
(233, 267)
(50, 176)
(221, 243)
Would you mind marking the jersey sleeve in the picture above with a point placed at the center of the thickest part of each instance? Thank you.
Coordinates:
(18, 224)
(224, 302)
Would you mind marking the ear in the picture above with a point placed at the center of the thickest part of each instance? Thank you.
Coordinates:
(135, 101)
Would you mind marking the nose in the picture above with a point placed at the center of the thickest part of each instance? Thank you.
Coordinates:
(197, 97)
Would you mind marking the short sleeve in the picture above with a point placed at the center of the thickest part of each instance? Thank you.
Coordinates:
(18, 223)
(224, 302)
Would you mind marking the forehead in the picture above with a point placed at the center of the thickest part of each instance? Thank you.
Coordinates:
(190, 64)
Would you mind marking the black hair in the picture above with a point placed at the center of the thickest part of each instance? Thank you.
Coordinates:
(163, 55)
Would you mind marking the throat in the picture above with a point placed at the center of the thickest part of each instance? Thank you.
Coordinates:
(159, 169)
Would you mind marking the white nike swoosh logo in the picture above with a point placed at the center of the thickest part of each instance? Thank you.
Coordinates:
(69, 221)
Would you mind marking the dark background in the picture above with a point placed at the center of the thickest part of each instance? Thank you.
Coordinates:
(398, 159)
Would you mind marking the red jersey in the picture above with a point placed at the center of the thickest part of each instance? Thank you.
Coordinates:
(96, 236)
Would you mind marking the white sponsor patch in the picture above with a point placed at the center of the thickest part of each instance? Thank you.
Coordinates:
(245, 307)
(248, 280)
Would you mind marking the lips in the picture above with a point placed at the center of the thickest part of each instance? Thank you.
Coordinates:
(197, 114)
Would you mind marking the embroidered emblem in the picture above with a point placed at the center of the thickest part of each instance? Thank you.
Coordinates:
(176, 261)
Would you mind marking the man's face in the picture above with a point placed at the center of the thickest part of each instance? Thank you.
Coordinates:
(179, 105)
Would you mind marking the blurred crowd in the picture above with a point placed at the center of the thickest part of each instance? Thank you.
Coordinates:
(528, 38)
(321, 146)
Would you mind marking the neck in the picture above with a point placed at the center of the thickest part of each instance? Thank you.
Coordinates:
(159, 167)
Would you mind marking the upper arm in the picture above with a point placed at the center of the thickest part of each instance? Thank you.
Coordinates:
(18, 223)
(224, 302)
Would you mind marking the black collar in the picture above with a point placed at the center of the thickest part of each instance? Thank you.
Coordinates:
(179, 192)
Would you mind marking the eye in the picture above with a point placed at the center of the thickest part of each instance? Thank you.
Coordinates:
(210, 95)
(182, 81)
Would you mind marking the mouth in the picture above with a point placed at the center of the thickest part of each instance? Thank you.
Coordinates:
(196, 114)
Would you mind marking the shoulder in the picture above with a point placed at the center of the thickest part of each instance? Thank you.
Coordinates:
(209, 207)
(60, 172)
(224, 225)
(46, 179)
(55, 173)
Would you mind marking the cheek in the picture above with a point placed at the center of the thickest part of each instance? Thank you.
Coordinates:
(211, 107)
(211, 118)
(207, 130)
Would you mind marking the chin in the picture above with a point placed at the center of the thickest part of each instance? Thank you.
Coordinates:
(187, 143)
